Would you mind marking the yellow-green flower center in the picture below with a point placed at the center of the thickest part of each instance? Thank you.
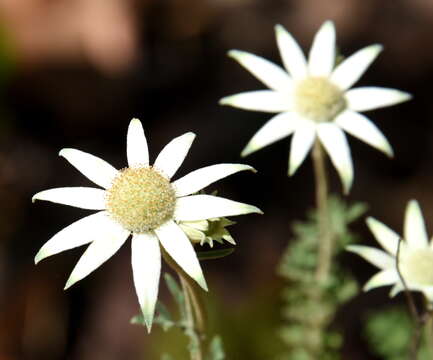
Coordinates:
(140, 199)
(317, 99)
(417, 267)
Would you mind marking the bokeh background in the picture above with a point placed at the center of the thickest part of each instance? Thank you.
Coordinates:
(74, 72)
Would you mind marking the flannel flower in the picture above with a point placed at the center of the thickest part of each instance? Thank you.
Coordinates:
(313, 99)
(415, 257)
(141, 201)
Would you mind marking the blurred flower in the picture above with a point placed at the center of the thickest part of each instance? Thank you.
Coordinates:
(415, 257)
(139, 200)
(313, 99)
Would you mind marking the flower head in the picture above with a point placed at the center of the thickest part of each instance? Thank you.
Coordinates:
(142, 201)
(313, 99)
(415, 256)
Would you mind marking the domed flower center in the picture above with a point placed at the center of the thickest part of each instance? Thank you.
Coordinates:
(317, 99)
(417, 267)
(140, 199)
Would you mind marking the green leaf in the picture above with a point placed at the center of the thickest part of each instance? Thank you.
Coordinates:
(163, 317)
(216, 350)
(214, 254)
(176, 292)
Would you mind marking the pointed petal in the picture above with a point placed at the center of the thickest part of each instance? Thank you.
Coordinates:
(415, 232)
(94, 168)
(136, 145)
(384, 235)
(259, 100)
(335, 143)
(302, 141)
(200, 207)
(362, 128)
(377, 257)
(277, 128)
(369, 98)
(267, 72)
(78, 233)
(382, 278)
(293, 57)
(178, 246)
(428, 293)
(81, 197)
(146, 270)
(199, 179)
(396, 289)
(321, 59)
(351, 69)
(172, 156)
(109, 240)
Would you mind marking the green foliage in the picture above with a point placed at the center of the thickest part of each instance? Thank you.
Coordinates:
(216, 350)
(214, 254)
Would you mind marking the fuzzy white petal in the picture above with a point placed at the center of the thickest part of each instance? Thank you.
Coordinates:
(146, 270)
(267, 72)
(93, 167)
(81, 197)
(369, 98)
(259, 100)
(293, 57)
(321, 59)
(415, 232)
(377, 257)
(178, 246)
(173, 154)
(199, 179)
(362, 128)
(351, 69)
(384, 235)
(302, 141)
(200, 207)
(136, 145)
(335, 143)
(382, 278)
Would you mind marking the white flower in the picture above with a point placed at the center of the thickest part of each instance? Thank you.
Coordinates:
(313, 99)
(415, 257)
(139, 200)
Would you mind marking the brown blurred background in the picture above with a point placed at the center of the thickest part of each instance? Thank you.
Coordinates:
(74, 72)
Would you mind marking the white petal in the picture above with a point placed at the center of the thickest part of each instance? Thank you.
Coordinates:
(384, 235)
(81, 197)
(375, 256)
(302, 141)
(351, 69)
(335, 143)
(146, 270)
(78, 233)
(415, 232)
(277, 128)
(428, 293)
(172, 156)
(94, 168)
(382, 278)
(178, 246)
(267, 72)
(199, 179)
(136, 145)
(200, 207)
(293, 57)
(361, 127)
(396, 289)
(321, 59)
(259, 100)
(369, 98)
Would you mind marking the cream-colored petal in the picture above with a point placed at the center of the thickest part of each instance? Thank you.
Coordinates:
(428, 293)
(259, 100)
(369, 98)
(146, 270)
(94, 168)
(277, 128)
(335, 143)
(199, 179)
(293, 58)
(415, 232)
(362, 128)
(178, 246)
(173, 154)
(377, 257)
(79, 233)
(302, 141)
(193, 234)
(136, 145)
(200, 207)
(396, 289)
(382, 278)
(386, 237)
(351, 69)
(267, 72)
(81, 197)
(321, 59)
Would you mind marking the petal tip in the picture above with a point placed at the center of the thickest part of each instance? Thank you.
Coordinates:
(234, 54)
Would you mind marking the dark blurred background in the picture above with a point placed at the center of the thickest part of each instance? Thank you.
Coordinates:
(74, 72)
